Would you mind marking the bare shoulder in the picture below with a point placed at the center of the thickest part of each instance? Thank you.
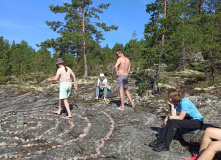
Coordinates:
(127, 59)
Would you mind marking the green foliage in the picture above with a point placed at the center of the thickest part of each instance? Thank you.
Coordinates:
(142, 89)
(78, 33)
(3, 80)
(200, 77)
(186, 29)
(163, 79)
(171, 67)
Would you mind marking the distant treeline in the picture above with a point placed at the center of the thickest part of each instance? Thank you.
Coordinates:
(176, 28)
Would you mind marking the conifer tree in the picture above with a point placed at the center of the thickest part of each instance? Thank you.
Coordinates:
(78, 31)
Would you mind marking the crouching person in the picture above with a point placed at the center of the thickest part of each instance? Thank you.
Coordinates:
(184, 115)
(101, 87)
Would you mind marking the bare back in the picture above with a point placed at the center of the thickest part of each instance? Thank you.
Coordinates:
(124, 65)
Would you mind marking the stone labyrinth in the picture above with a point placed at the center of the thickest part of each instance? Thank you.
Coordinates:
(43, 131)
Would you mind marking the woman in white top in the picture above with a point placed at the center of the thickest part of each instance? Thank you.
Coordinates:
(64, 74)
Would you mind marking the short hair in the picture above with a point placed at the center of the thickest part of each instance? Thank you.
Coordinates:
(119, 50)
(175, 95)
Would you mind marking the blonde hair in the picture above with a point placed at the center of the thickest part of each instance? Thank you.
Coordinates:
(174, 95)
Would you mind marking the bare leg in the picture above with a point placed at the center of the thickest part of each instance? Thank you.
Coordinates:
(59, 107)
(66, 104)
(212, 149)
(210, 133)
(129, 96)
(121, 92)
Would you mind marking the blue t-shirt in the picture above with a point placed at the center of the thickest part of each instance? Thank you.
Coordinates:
(190, 108)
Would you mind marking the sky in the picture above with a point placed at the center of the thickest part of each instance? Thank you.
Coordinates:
(25, 20)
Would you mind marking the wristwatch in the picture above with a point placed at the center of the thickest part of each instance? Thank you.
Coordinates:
(168, 117)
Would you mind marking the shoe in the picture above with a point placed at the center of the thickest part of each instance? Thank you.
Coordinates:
(105, 98)
(193, 158)
(122, 109)
(96, 98)
(161, 147)
(155, 143)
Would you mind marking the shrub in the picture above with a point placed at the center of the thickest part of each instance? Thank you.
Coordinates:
(171, 68)
(3, 80)
(163, 79)
(142, 89)
(200, 77)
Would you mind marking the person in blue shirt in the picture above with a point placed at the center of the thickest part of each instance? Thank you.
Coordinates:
(184, 115)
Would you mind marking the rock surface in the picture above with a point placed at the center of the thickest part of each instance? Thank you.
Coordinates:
(98, 130)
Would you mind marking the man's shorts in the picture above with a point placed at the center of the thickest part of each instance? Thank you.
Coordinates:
(64, 90)
(122, 81)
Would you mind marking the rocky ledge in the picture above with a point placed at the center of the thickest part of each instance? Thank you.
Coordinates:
(98, 130)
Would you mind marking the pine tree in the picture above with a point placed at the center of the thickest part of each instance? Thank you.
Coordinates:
(78, 32)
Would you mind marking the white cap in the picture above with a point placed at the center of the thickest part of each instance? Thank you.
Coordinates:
(102, 75)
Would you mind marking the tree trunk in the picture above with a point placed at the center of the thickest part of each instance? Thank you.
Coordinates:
(156, 88)
(84, 43)
(201, 7)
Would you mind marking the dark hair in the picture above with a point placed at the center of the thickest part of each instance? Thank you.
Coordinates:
(119, 50)
(64, 67)
(175, 95)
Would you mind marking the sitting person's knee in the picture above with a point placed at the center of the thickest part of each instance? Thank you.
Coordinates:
(209, 130)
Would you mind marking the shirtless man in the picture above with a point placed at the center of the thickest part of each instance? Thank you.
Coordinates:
(122, 70)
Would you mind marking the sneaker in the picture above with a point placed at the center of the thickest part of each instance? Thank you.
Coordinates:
(161, 147)
(96, 98)
(193, 158)
(105, 98)
(155, 143)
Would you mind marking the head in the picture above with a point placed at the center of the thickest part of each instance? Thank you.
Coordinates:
(119, 52)
(174, 96)
(60, 63)
(102, 76)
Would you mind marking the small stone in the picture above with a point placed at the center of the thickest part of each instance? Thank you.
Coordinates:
(6, 157)
(16, 156)
(16, 138)
(3, 144)
(15, 144)
(53, 147)
(21, 155)
(11, 156)
(27, 140)
(24, 146)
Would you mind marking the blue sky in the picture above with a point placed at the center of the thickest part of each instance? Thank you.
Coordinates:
(25, 20)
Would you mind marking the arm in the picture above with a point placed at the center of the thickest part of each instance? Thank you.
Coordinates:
(55, 78)
(180, 117)
(104, 85)
(116, 67)
(128, 71)
(75, 84)
(172, 110)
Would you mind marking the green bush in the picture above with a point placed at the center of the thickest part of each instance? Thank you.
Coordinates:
(171, 67)
(3, 80)
(142, 89)
(163, 80)
(200, 77)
